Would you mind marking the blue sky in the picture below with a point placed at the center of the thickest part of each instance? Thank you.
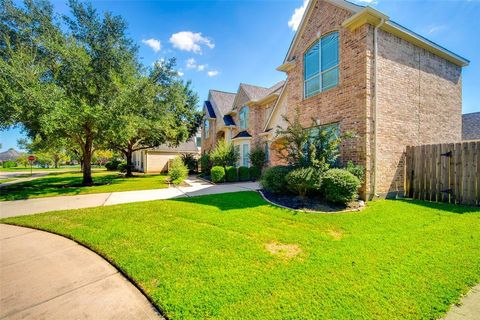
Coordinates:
(219, 44)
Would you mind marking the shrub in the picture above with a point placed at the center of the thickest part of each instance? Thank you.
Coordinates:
(190, 161)
(340, 186)
(112, 165)
(243, 174)
(177, 171)
(303, 180)
(356, 169)
(205, 163)
(273, 179)
(224, 154)
(217, 174)
(231, 174)
(122, 166)
(257, 157)
(255, 173)
(9, 164)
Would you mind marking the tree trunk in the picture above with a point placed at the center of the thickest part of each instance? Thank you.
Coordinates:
(129, 168)
(56, 160)
(87, 162)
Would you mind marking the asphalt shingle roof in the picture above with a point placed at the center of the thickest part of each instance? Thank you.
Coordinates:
(223, 100)
(210, 111)
(471, 126)
(228, 120)
(242, 134)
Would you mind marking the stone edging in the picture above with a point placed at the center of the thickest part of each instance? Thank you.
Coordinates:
(306, 210)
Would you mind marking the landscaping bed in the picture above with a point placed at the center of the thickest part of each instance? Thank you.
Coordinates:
(232, 256)
(309, 203)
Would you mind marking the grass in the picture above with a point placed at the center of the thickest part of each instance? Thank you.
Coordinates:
(234, 256)
(21, 168)
(63, 184)
(7, 180)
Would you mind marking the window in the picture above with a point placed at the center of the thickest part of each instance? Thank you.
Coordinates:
(267, 152)
(198, 142)
(321, 65)
(245, 154)
(244, 118)
(237, 150)
(206, 128)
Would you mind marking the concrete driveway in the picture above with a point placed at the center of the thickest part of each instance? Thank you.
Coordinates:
(45, 276)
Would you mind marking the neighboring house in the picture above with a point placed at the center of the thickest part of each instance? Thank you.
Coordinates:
(157, 159)
(471, 126)
(353, 69)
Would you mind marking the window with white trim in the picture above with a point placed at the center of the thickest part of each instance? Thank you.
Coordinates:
(246, 154)
(244, 117)
(321, 65)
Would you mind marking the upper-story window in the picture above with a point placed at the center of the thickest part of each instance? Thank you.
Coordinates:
(321, 65)
(244, 117)
(206, 128)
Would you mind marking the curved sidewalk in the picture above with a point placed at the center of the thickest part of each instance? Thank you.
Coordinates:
(45, 276)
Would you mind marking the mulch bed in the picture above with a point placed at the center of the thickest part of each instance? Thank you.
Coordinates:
(309, 203)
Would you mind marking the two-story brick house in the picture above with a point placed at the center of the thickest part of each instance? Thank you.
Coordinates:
(352, 68)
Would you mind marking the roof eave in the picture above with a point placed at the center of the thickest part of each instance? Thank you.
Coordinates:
(375, 17)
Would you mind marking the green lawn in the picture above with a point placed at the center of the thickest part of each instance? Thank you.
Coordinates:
(7, 180)
(62, 184)
(21, 168)
(234, 256)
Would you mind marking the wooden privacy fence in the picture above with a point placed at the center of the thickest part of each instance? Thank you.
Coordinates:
(448, 172)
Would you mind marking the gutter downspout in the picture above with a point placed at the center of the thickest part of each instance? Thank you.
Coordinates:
(375, 53)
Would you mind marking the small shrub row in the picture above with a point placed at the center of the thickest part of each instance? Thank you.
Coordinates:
(112, 165)
(220, 174)
(9, 164)
(336, 185)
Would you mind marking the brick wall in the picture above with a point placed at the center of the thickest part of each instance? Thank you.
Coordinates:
(419, 102)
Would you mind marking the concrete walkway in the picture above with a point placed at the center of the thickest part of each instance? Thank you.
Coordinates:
(197, 187)
(45, 276)
(469, 307)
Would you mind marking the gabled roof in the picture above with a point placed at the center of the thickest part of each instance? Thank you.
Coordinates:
(362, 15)
(188, 146)
(471, 126)
(242, 134)
(210, 112)
(223, 100)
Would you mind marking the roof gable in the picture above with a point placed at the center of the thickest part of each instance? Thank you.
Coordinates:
(471, 126)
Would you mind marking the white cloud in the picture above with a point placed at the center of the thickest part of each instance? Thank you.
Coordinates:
(192, 64)
(212, 73)
(180, 73)
(297, 15)
(189, 41)
(153, 43)
(434, 29)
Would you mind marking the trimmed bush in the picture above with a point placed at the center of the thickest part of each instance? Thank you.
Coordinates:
(205, 163)
(112, 165)
(224, 154)
(9, 164)
(255, 173)
(243, 174)
(231, 174)
(191, 162)
(356, 169)
(301, 181)
(340, 186)
(217, 174)
(273, 179)
(177, 171)
(122, 166)
(257, 157)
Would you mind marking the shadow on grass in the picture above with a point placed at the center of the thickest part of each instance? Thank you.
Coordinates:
(60, 184)
(453, 208)
(227, 201)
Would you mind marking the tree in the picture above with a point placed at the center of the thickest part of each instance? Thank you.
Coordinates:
(315, 146)
(224, 154)
(154, 108)
(58, 77)
(53, 148)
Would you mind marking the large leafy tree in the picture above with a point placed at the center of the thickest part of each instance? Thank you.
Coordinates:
(154, 108)
(59, 76)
